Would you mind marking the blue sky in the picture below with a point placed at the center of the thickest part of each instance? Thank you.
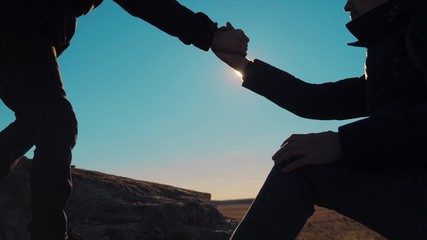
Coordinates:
(154, 109)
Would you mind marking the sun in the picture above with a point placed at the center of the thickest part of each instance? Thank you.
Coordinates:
(238, 73)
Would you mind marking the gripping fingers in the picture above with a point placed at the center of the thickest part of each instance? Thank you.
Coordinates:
(287, 153)
(242, 36)
(292, 138)
(241, 48)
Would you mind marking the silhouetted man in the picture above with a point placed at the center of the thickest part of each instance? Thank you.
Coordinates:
(373, 170)
(32, 35)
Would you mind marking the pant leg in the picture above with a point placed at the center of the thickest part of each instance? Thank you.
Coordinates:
(392, 202)
(279, 211)
(30, 73)
(15, 141)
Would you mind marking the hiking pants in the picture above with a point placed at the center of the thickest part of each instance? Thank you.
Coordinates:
(392, 202)
(31, 86)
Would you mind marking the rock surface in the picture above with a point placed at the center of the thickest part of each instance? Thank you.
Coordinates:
(107, 207)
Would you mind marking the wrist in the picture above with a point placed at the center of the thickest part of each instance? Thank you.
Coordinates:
(241, 66)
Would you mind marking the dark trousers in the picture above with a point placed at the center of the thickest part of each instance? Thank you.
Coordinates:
(392, 202)
(31, 86)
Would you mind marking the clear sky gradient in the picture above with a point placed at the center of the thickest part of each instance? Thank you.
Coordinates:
(154, 109)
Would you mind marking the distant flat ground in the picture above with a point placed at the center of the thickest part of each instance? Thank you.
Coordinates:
(323, 225)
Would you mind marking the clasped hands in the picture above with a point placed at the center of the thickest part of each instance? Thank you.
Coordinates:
(230, 45)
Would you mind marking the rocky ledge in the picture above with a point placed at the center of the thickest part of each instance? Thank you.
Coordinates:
(107, 207)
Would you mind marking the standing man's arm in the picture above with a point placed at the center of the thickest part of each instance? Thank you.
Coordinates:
(191, 28)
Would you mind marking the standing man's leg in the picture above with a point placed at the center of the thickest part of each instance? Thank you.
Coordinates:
(17, 138)
(391, 202)
(15, 141)
(29, 73)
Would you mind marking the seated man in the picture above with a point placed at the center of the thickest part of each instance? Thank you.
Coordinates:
(373, 170)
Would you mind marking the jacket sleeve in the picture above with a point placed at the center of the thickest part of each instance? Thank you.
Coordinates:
(174, 19)
(344, 99)
(394, 138)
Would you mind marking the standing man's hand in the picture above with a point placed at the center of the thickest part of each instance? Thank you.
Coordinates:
(308, 149)
(230, 40)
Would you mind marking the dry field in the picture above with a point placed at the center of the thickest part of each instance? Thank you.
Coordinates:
(323, 225)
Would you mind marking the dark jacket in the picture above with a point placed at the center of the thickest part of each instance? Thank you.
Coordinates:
(169, 16)
(392, 95)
